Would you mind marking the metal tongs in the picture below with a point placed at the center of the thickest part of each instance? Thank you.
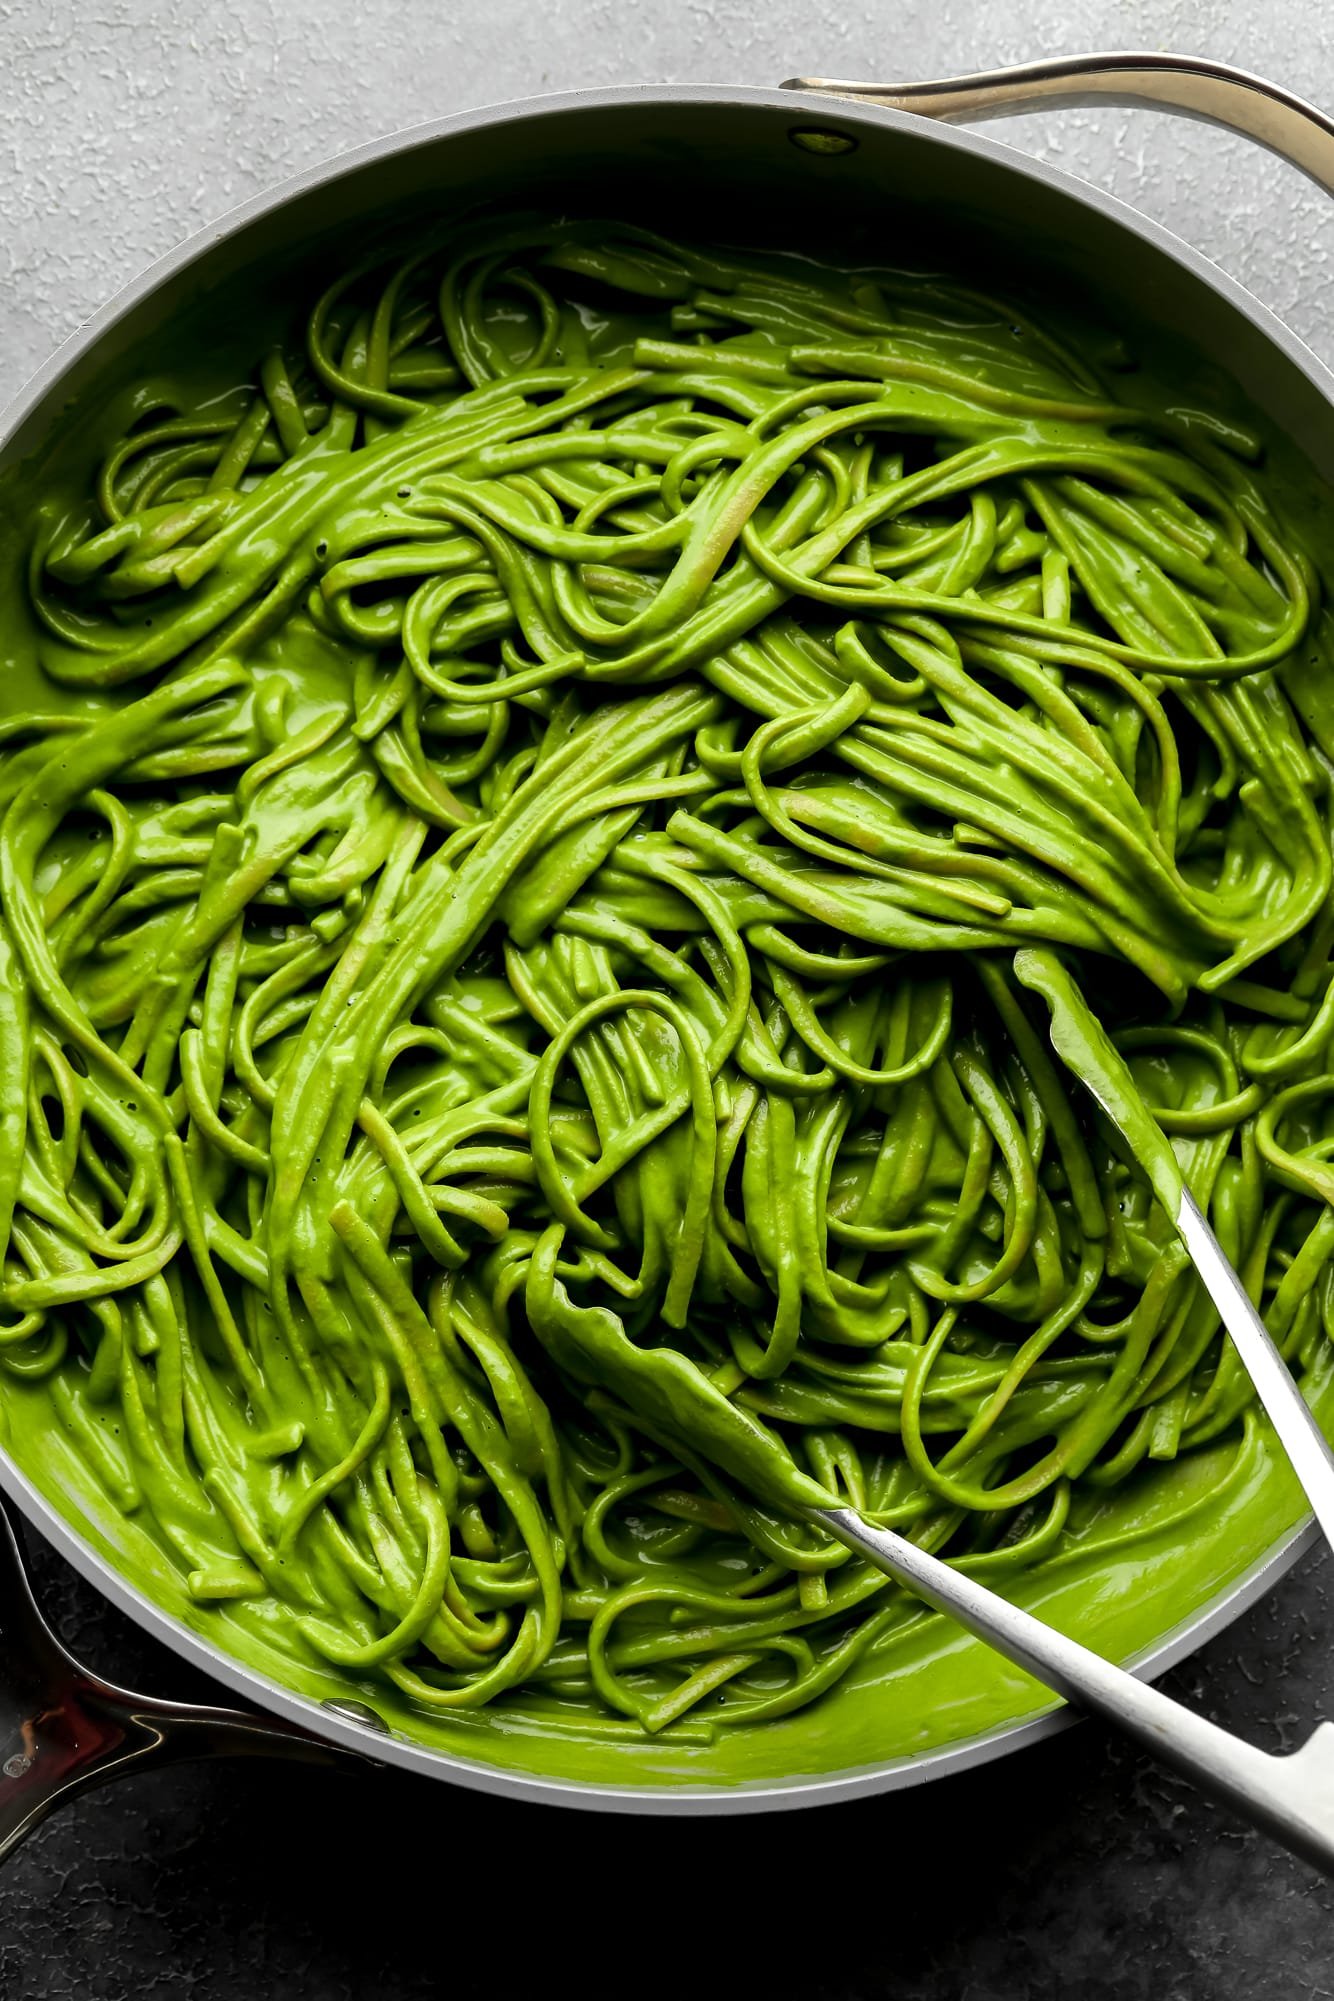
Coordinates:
(1290, 1796)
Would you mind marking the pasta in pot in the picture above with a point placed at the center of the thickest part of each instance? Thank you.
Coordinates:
(515, 1080)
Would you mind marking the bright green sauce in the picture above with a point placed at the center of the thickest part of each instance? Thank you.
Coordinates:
(514, 1077)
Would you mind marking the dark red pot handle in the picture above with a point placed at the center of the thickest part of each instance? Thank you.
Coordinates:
(63, 1729)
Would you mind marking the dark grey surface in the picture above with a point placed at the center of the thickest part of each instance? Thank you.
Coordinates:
(1075, 1871)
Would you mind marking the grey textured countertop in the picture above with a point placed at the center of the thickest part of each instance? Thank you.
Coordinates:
(1077, 1869)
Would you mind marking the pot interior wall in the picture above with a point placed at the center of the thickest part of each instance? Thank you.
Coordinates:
(734, 171)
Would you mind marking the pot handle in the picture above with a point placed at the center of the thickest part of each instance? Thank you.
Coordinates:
(64, 1729)
(1213, 92)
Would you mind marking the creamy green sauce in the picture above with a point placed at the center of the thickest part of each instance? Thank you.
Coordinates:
(515, 1072)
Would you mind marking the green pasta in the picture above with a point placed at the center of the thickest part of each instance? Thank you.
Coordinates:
(514, 1075)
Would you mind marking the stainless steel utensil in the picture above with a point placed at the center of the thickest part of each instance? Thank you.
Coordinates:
(1088, 1053)
(1291, 1797)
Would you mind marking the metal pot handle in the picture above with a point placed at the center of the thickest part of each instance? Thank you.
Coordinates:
(1213, 92)
(63, 1729)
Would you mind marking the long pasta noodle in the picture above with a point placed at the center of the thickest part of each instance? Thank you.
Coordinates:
(512, 1073)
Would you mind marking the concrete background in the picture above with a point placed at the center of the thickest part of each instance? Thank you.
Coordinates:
(1077, 1869)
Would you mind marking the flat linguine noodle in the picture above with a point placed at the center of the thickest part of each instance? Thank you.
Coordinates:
(514, 1080)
